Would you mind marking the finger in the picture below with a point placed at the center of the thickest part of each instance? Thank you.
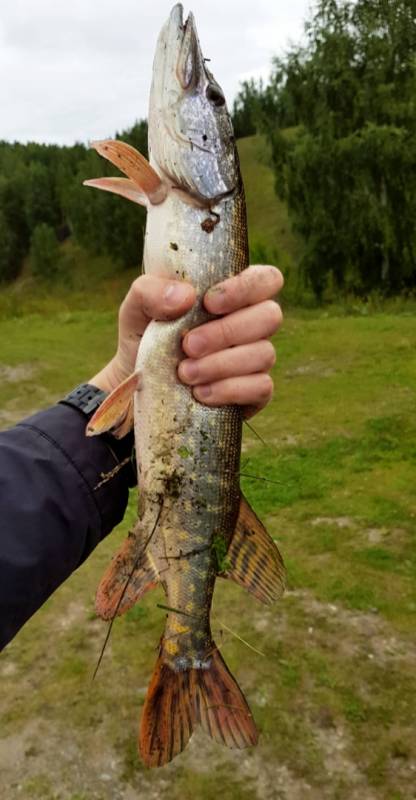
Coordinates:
(255, 284)
(151, 297)
(247, 390)
(248, 358)
(241, 327)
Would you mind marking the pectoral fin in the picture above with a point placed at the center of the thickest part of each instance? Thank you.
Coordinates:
(135, 166)
(253, 558)
(122, 186)
(115, 413)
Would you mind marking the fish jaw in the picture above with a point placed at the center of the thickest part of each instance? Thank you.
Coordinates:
(191, 138)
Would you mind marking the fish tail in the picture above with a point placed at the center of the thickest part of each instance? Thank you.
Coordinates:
(178, 701)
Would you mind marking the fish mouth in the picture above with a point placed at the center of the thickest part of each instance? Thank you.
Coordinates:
(178, 66)
(176, 16)
(187, 113)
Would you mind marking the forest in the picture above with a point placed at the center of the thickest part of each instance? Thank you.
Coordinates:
(339, 117)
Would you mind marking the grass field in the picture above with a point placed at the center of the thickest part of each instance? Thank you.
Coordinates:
(334, 693)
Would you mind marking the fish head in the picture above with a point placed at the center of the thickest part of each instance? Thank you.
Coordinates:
(191, 137)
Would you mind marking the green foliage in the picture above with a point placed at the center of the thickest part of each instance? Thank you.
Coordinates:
(349, 173)
(8, 265)
(44, 252)
(219, 547)
(340, 117)
(42, 185)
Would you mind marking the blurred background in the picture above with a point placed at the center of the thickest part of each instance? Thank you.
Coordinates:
(322, 97)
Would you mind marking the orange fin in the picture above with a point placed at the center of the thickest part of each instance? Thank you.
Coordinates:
(221, 707)
(253, 558)
(178, 700)
(129, 576)
(135, 166)
(122, 186)
(115, 413)
(168, 717)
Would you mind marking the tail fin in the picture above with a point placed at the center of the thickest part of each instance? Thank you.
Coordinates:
(178, 701)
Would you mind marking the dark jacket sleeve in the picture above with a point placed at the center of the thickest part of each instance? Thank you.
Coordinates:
(52, 511)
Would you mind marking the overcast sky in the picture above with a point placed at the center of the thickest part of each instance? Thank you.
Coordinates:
(74, 70)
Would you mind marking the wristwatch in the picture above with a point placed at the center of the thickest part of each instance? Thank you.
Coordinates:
(86, 398)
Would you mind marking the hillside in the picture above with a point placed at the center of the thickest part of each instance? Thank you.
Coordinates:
(90, 281)
(270, 233)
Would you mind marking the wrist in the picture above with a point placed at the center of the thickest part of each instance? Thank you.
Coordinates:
(108, 378)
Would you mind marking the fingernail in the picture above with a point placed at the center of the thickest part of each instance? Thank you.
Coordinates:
(203, 392)
(195, 344)
(175, 294)
(189, 370)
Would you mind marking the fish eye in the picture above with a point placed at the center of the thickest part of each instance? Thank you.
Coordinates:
(214, 96)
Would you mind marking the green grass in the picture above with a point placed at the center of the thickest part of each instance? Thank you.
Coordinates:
(334, 694)
(339, 661)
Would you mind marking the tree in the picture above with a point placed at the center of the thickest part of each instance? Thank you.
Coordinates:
(8, 266)
(44, 252)
(349, 172)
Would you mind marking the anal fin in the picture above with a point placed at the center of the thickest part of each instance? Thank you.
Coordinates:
(254, 560)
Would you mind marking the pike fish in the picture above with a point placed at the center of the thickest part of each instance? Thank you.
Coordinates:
(194, 523)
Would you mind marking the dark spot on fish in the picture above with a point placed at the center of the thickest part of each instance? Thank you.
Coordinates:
(204, 137)
(173, 485)
(174, 246)
(208, 225)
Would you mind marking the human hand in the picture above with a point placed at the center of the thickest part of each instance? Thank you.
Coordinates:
(227, 359)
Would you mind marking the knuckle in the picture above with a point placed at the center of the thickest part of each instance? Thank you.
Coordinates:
(220, 367)
(138, 286)
(245, 282)
(227, 333)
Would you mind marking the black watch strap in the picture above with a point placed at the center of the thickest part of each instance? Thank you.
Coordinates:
(85, 398)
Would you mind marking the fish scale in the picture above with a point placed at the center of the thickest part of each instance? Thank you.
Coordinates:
(191, 509)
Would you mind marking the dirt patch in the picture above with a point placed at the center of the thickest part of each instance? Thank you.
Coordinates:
(20, 372)
(339, 522)
(75, 612)
(366, 634)
(334, 744)
(316, 369)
